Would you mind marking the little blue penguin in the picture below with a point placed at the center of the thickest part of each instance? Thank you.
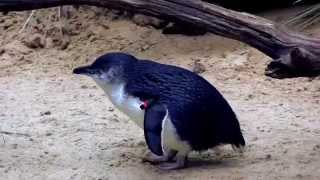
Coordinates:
(178, 110)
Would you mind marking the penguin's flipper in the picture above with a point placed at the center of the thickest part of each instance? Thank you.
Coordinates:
(153, 118)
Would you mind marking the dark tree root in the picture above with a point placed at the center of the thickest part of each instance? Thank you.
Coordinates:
(298, 63)
(294, 54)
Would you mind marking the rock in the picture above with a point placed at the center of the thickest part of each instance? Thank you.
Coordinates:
(110, 109)
(316, 147)
(46, 113)
(145, 47)
(2, 51)
(268, 156)
(35, 41)
(106, 27)
(250, 96)
(198, 67)
(48, 134)
(64, 44)
(84, 87)
(143, 20)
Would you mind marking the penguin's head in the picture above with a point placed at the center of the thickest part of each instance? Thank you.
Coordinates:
(109, 68)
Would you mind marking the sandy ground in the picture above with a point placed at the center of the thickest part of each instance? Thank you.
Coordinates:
(55, 125)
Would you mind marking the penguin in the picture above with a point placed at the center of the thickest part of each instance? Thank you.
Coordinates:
(178, 110)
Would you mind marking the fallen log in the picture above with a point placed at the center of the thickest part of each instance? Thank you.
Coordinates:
(293, 54)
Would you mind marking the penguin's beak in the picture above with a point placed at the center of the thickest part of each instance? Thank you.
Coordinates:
(85, 70)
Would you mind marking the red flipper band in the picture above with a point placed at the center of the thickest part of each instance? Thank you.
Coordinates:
(145, 104)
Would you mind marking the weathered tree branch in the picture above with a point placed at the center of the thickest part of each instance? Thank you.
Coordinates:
(293, 54)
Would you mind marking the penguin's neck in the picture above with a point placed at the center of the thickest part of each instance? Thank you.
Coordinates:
(123, 101)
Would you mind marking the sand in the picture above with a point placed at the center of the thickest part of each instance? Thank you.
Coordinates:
(55, 125)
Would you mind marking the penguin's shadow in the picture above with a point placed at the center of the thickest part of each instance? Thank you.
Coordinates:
(212, 163)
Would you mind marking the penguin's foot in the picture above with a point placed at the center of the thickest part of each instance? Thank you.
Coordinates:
(154, 159)
(180, 163)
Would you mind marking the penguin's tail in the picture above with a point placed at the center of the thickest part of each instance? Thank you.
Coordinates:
(239, 146)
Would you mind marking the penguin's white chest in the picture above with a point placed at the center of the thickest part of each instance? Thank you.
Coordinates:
(131, 107)
(127, 104)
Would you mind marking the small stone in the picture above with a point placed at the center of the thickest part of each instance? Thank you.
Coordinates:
(115, 119)
(268, 156)
(35, 41)
(46, 113)
(316, 147)
(123, 155)
(110, 109)
(2, 51)
(48, 134)
(145, 47)
(93, 38)
(143, 20)
(6, 26)
(64, 44)
(198, 67)
(84, 87)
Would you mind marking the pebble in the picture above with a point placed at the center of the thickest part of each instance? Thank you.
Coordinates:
(48, 134)
(268, 156)
(35, 41)
(198, 67)
(316, 147)
(64, 44)
(143, 20)
(2, 51)
(84, 87)
(46, 113)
